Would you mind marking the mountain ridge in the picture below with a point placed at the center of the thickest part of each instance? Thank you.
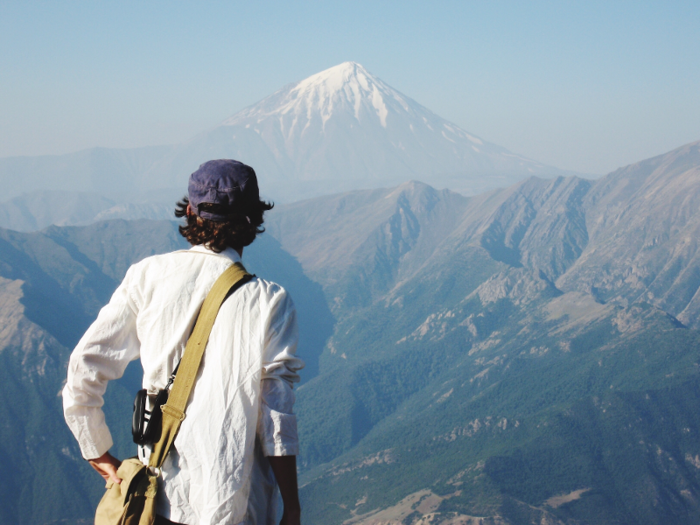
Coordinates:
(548, 225)
(458, 376)
(482, 314)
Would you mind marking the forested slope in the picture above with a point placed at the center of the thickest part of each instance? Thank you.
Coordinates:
(520, 362)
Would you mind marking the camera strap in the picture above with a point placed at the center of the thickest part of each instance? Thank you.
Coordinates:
(186, 373)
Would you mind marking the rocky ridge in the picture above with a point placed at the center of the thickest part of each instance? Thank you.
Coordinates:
(478, 346)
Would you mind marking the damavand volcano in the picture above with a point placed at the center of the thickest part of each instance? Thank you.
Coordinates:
(344, 129)
(339, 130)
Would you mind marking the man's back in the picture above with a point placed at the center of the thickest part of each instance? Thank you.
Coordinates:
(206, 478)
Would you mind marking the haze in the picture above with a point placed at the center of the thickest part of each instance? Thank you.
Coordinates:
(584, 86)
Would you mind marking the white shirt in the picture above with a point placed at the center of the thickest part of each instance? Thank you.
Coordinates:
(243, 389)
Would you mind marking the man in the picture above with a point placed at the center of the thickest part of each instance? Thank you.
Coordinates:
(239, 434)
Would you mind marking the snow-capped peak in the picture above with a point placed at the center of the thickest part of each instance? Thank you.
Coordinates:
(345, 86)
(348, 83)
(335, 77)
(345, 128)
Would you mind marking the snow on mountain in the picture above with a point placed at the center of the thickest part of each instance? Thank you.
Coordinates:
(344, 87)
(338, 130)
(344, 129)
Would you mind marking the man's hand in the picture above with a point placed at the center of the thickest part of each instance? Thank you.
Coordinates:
(291, 517)
(106, 466)
(285, 470)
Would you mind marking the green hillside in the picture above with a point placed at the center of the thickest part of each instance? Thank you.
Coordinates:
(518, 419)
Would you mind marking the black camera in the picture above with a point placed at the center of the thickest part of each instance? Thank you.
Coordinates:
(146, 425)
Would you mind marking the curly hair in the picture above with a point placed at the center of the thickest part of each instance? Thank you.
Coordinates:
(236, 232)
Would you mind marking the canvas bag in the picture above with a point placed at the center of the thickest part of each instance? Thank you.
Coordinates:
(133, 501)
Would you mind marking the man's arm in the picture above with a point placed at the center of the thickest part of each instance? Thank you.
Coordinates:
(102, 355)
(277, 426)
(285, 470)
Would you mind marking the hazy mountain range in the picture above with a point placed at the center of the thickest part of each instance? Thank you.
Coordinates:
(528, 355)
(35, 211)
(338, 130)
(486, 364)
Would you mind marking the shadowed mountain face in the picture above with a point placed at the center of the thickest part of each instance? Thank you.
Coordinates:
(52, 285)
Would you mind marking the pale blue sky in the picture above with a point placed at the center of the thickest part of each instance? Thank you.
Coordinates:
(587, 86)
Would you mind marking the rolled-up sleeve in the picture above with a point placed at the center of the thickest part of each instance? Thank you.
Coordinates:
(277, 424)
(102, 355)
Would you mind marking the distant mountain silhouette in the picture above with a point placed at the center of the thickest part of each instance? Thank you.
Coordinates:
(340, 129)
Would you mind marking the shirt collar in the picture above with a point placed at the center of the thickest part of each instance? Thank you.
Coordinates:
(229, 253)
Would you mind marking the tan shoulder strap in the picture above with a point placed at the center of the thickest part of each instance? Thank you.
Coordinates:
(174, 409)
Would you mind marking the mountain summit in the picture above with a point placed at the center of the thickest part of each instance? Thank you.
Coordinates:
(345, 88)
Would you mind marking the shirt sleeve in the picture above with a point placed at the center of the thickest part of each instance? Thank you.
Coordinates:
(102, 355)
(277, 424)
